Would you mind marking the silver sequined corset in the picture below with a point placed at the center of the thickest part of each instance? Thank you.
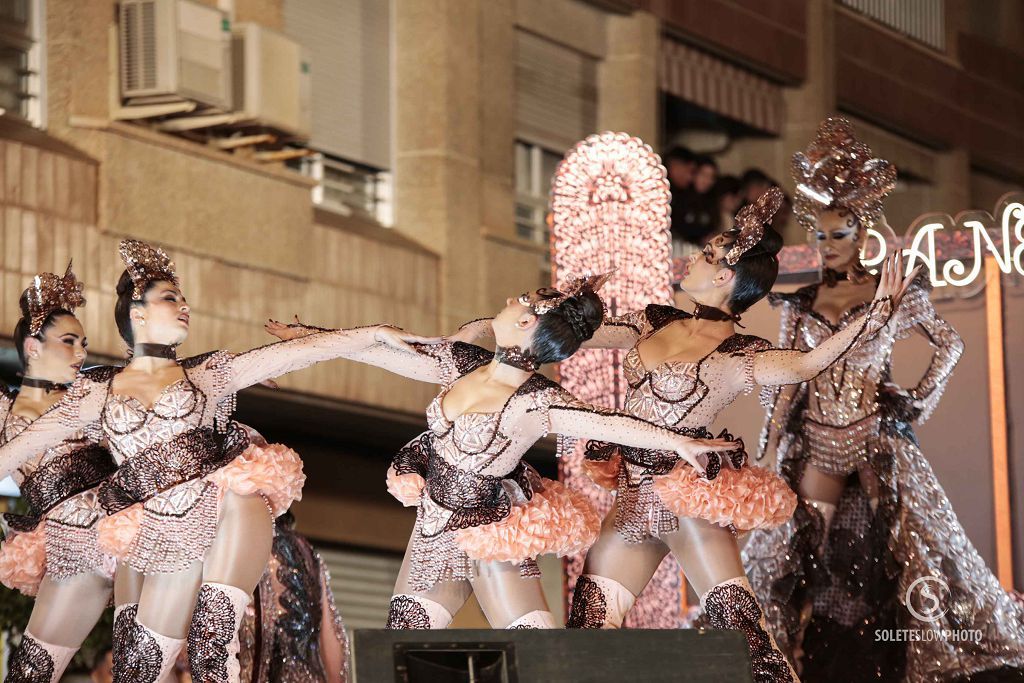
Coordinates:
(51, 482)
(843, 417)
(130, 428)
(847, 392)
(165, 451)
(456, 454)
(665, 395)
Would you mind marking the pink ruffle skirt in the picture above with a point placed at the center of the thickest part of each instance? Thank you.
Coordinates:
(556, 520)
(748, 498)
(272, 470)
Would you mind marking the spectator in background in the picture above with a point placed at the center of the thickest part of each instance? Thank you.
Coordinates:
(728, 194)
(681, 166)
(754, 183)
(695, 211)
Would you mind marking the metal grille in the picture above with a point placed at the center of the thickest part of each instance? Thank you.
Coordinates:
(921, 20)
(362, 583)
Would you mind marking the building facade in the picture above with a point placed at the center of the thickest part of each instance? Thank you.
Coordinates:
(405, 178)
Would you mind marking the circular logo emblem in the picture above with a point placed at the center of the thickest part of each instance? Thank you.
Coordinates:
(925, 598)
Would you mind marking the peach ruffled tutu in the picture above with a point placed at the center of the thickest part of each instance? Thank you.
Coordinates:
(406, 488)
(604, 473)
(748, 498)
(23, 560)
(272, 470)
(556, 520)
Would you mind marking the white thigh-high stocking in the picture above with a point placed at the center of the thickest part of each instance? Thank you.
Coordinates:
(731, 604)
(36, 661)
(408, 611)
(599, 602)
(535, 619)
(141, 655)
(213, 636)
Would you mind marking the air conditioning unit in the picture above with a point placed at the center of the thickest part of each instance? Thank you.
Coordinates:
(175, 50)
(271, 80)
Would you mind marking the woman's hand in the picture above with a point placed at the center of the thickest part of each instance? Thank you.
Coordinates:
(694, 451)
(288, 331)
(890, 283)
(399, 339)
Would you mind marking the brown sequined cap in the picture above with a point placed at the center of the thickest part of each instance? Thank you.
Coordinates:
(48, 293)
(748, 227)
(146, 264)
(837, 171)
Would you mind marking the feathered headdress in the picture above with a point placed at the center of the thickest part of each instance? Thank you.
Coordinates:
(146, 264)
(48, 293)
(838, 171)
(748, 227)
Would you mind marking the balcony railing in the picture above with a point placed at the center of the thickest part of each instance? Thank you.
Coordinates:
(920, 20)
(350, 189)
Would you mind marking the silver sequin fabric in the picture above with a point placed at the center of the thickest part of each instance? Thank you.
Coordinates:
(874, 554)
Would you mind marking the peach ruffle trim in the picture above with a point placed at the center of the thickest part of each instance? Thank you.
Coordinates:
(406, 488)
(748, 498)
(23, 560)
(557, 520)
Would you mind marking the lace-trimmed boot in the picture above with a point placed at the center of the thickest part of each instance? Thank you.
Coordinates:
(414, 612)
(36, 661)
(732, 605)
(599, 602)
(213, 637)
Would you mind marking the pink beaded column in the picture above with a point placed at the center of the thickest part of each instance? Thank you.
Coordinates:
(610, 207)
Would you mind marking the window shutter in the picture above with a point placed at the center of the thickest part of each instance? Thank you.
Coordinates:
(349, 47)
(556, 93)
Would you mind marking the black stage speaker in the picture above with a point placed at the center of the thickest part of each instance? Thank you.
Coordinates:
(551, 656)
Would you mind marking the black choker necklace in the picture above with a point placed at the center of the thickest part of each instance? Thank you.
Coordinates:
(44, 384)
(516, 357)
(702, 312)
(833, 277)
(154, 351)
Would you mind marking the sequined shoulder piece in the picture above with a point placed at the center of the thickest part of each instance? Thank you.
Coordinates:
(468, 357)
(101, 374)
(659, 315)
(802, 299)
(195, 361)
(744, 343)
(535, 384)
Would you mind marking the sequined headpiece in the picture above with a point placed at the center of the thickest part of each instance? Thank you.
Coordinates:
(574, 287)
(48, 293)
(838, 171)
(146, 264)
(748, 227)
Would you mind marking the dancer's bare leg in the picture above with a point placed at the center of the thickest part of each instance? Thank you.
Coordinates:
(430, 609)
(232, 569)
(710, 558)
(613, 575)
(149, 634)
(510, 601)
(63, 615)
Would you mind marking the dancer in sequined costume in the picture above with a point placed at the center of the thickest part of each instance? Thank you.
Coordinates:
(293, 632)
(872, 517)
(682, 370)
(52, 552)
(191, 505)
(483, 515)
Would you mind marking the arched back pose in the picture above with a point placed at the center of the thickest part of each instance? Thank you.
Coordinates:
(194, 518)
(682, 370)
(872, 518)
(483, 515)
(51, 552)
